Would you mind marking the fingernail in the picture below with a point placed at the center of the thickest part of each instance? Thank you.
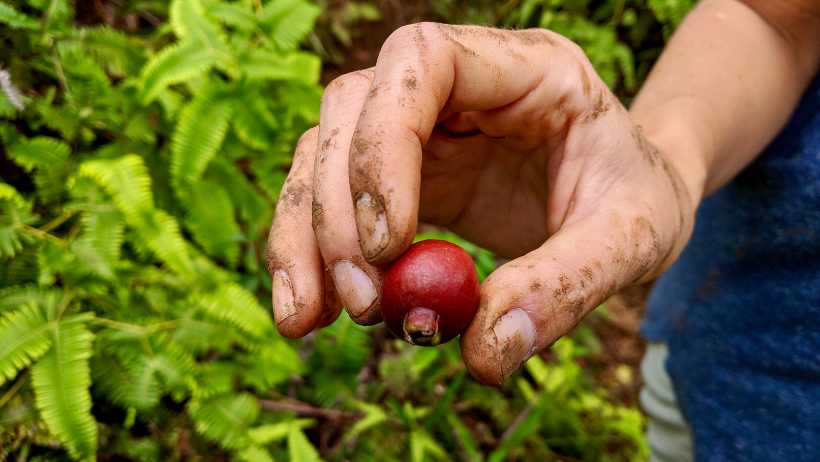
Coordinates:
(283, 304)
(515, 334)
(354, 287)
(372, 225)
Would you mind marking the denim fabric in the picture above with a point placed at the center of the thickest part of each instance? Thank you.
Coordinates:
(740, 310)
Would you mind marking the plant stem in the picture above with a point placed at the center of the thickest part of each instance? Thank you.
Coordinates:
(301, 408)
(13, 390)
(51, 225)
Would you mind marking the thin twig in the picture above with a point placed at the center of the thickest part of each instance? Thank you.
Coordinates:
(36, 232)
(515, 423)
(13, 390)
(306, 409)
(48, 227)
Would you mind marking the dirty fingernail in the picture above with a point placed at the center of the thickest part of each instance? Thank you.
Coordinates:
(283, 304)
(372, 224)
(515, 334)
(354, 287)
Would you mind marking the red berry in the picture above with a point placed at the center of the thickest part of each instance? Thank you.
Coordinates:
(430, 294)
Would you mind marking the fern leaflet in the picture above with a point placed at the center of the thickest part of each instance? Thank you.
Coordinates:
(226, 419)
(188, 20)
(61, 379)
(289, 21)
(23, 339)
(174, 64)
(15, 19)
(39, 152)
(295, 66)
(210, 217)
(199, 134)
(235, 305)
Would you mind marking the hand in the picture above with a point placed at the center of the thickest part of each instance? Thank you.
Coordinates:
(508, 138)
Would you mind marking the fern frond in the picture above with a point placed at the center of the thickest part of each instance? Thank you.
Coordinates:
(226, 419)
(295, 66)
(198, 336)
(16, 20)
(15, 214)
(127, 181)
(126, 380)
(39, 152)
(162, 235)
(289, 21)
(254, 454)
(189, 21)
(16, 296)
(60, 380)
(23, 339)
(174, 64)
(112, 49)
(8, 193)
(235, 305)
(250, 128)
(299, 447)
(273, 363)
(199, 134)
(254, 209)
(103, 233)
(210, 217)
(233, 15)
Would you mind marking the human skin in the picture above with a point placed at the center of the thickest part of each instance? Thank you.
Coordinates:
(510, 139)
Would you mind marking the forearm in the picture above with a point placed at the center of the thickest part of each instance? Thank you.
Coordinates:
(724, 87)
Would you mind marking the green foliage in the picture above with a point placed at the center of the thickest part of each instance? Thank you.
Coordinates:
(122, 224)
(141, 166)
(609, 31)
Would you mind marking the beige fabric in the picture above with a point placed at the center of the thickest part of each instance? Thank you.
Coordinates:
(669, 436)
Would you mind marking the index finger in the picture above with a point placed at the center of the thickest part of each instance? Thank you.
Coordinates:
(427, 72)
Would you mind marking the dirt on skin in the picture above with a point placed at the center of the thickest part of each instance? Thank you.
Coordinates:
(616, 365)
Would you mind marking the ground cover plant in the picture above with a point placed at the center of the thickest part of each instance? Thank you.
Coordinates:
(143, 145)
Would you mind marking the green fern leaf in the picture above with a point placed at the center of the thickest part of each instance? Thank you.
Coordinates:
(269, 433)
(210, 217)
(273, 363)
(23, 339)
(254, 454)
(235, 305)
(233, 15)
(126, 180)
(254, 209)
(162, 235)
(189, 21)
(61, 379)
(39, 152)
(103, 234)
(15, 214)
(174, 64)
(251, 128)
(296, 66)
(112, 49)
(13, 297)
(200, 131)
(16, 20)
(299, 447)
(289, 21)
(226, 419)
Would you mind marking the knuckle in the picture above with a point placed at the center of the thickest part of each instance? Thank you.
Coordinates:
(413, 34)
(355, 79)
(308, 138)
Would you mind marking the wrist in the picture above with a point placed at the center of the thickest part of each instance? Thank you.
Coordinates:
(686, 147)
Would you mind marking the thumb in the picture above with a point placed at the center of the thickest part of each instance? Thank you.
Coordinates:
(530, 302)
